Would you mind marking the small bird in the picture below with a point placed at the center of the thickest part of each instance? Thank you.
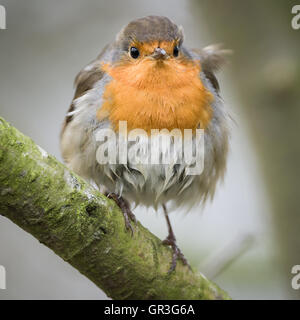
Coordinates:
(148, 79)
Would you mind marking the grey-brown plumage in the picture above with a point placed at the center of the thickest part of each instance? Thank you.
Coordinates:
(147, 29)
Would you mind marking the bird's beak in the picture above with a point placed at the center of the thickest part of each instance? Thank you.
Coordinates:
(159, 54)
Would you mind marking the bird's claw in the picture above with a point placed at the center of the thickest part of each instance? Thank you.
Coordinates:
(127, 213)
(177, 254)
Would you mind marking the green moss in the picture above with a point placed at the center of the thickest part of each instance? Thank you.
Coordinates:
(86, 229)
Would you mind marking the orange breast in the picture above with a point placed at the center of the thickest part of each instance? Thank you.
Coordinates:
(149, 96)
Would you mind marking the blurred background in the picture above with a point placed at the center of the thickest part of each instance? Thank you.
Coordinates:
(247, 239)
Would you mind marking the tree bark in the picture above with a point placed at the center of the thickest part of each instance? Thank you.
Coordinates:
(87, 229)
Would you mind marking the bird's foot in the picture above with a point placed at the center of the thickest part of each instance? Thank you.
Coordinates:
(125, 208)
(177, 254)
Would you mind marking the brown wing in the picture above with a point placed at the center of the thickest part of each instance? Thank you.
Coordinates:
(85, 81)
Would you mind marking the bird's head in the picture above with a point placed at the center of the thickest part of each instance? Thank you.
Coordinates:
(155, 76)
(149, 52)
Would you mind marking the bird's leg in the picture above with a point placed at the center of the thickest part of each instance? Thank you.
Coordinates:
(171, 241)
(125, 208)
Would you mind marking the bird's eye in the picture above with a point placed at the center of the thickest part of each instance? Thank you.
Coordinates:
(134, 52)
(175, 51)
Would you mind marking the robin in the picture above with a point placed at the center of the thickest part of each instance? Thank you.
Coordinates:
(148, 79)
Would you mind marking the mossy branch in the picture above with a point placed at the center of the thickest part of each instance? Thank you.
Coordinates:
(87, 229)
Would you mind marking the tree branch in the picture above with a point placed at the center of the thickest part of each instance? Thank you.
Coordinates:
(87, 229)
